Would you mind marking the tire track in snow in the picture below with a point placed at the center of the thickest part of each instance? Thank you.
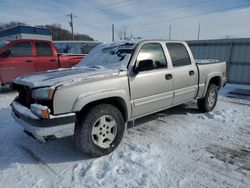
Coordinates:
(42, 164)
(236, 101)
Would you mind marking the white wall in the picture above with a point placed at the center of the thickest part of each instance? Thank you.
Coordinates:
(27, 36)
(11, 37)
(36, 37)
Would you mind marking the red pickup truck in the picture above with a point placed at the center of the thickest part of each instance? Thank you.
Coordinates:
(20, 57)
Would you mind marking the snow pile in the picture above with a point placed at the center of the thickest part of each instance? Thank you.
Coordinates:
(6, 99)
(219, 115)
(26, 112)
(179, 147)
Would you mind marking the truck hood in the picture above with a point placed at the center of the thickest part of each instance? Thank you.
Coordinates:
(64, 77)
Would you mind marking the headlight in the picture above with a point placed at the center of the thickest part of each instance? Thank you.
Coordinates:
(40, 111)
(43, 93)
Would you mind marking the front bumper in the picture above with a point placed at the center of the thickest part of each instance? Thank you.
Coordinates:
(42, 129)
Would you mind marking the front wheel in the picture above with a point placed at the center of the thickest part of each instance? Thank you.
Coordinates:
(100, 131)
(208, 103)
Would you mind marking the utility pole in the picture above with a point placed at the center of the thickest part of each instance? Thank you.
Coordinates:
(199, 30)
(169, 32)
(71, 16)
(113, 32)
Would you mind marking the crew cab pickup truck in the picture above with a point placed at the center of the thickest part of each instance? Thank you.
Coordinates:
(115, 84)
(20, 57)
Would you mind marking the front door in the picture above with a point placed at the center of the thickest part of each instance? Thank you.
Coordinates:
(151, 88)
(20, 61)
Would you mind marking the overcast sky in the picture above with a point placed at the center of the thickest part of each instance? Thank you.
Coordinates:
(142, 18)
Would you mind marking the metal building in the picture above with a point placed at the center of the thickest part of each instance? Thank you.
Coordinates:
(236, 52)
(26, 32)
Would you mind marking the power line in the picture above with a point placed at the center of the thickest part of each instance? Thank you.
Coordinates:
(180, 7)
(94, 24)
(193, 15)
(160, 10)
(108, 6)
(199, 14)
(113, 5)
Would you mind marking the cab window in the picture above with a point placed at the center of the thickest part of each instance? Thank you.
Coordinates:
(151, 55)
(178, 54)
(21, 49)
(43, 49)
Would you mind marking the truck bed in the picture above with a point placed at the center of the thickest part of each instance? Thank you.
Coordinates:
(207, 69)
(207, 61)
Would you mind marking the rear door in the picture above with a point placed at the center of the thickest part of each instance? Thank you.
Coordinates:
(185, 73)
(44, 58)
(19, 62)
(151, 90)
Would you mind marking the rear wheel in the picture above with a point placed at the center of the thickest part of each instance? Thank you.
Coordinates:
(100, 131)
(208, 103)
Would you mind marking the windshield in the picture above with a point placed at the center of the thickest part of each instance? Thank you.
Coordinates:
(109, 56)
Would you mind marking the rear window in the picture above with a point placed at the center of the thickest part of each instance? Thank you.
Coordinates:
(178, 54)
(21, 49)
(43, 49)
(75, 47)
(3, 44)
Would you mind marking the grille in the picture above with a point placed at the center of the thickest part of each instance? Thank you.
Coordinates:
(25, 97)
(25, 94)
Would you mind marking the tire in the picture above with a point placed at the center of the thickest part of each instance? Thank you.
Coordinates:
(100, 131)
(208, 103)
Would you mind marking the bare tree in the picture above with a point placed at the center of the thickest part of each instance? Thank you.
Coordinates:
(10, 24)
(122, 33)
(58, 33)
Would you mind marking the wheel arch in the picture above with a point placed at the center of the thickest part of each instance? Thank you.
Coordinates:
(215, 79)
(121, 101)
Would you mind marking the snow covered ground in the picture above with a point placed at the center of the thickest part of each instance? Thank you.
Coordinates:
(179, 147)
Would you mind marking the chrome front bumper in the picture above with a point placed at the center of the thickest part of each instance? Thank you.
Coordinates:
(42, 129)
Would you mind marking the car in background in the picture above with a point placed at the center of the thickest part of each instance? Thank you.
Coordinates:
(21, 57)
(75, 47)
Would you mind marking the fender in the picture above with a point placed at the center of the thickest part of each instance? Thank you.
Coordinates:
(86, 98)
(209, 77)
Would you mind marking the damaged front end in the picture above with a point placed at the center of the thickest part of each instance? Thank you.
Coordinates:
(33, 110)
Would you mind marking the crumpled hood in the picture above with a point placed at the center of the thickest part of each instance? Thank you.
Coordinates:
(64, 76)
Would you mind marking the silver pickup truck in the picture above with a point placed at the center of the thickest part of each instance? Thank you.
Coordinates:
(115, 84)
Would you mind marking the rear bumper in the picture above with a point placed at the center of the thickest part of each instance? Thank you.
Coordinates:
(42, 129)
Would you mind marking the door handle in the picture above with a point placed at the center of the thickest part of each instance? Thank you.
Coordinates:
(168, 76)
(52, 60)
(29, 61)
(191, 73)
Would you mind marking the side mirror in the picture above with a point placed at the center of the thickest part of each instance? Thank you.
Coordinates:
(5, 53)
(144, 65)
